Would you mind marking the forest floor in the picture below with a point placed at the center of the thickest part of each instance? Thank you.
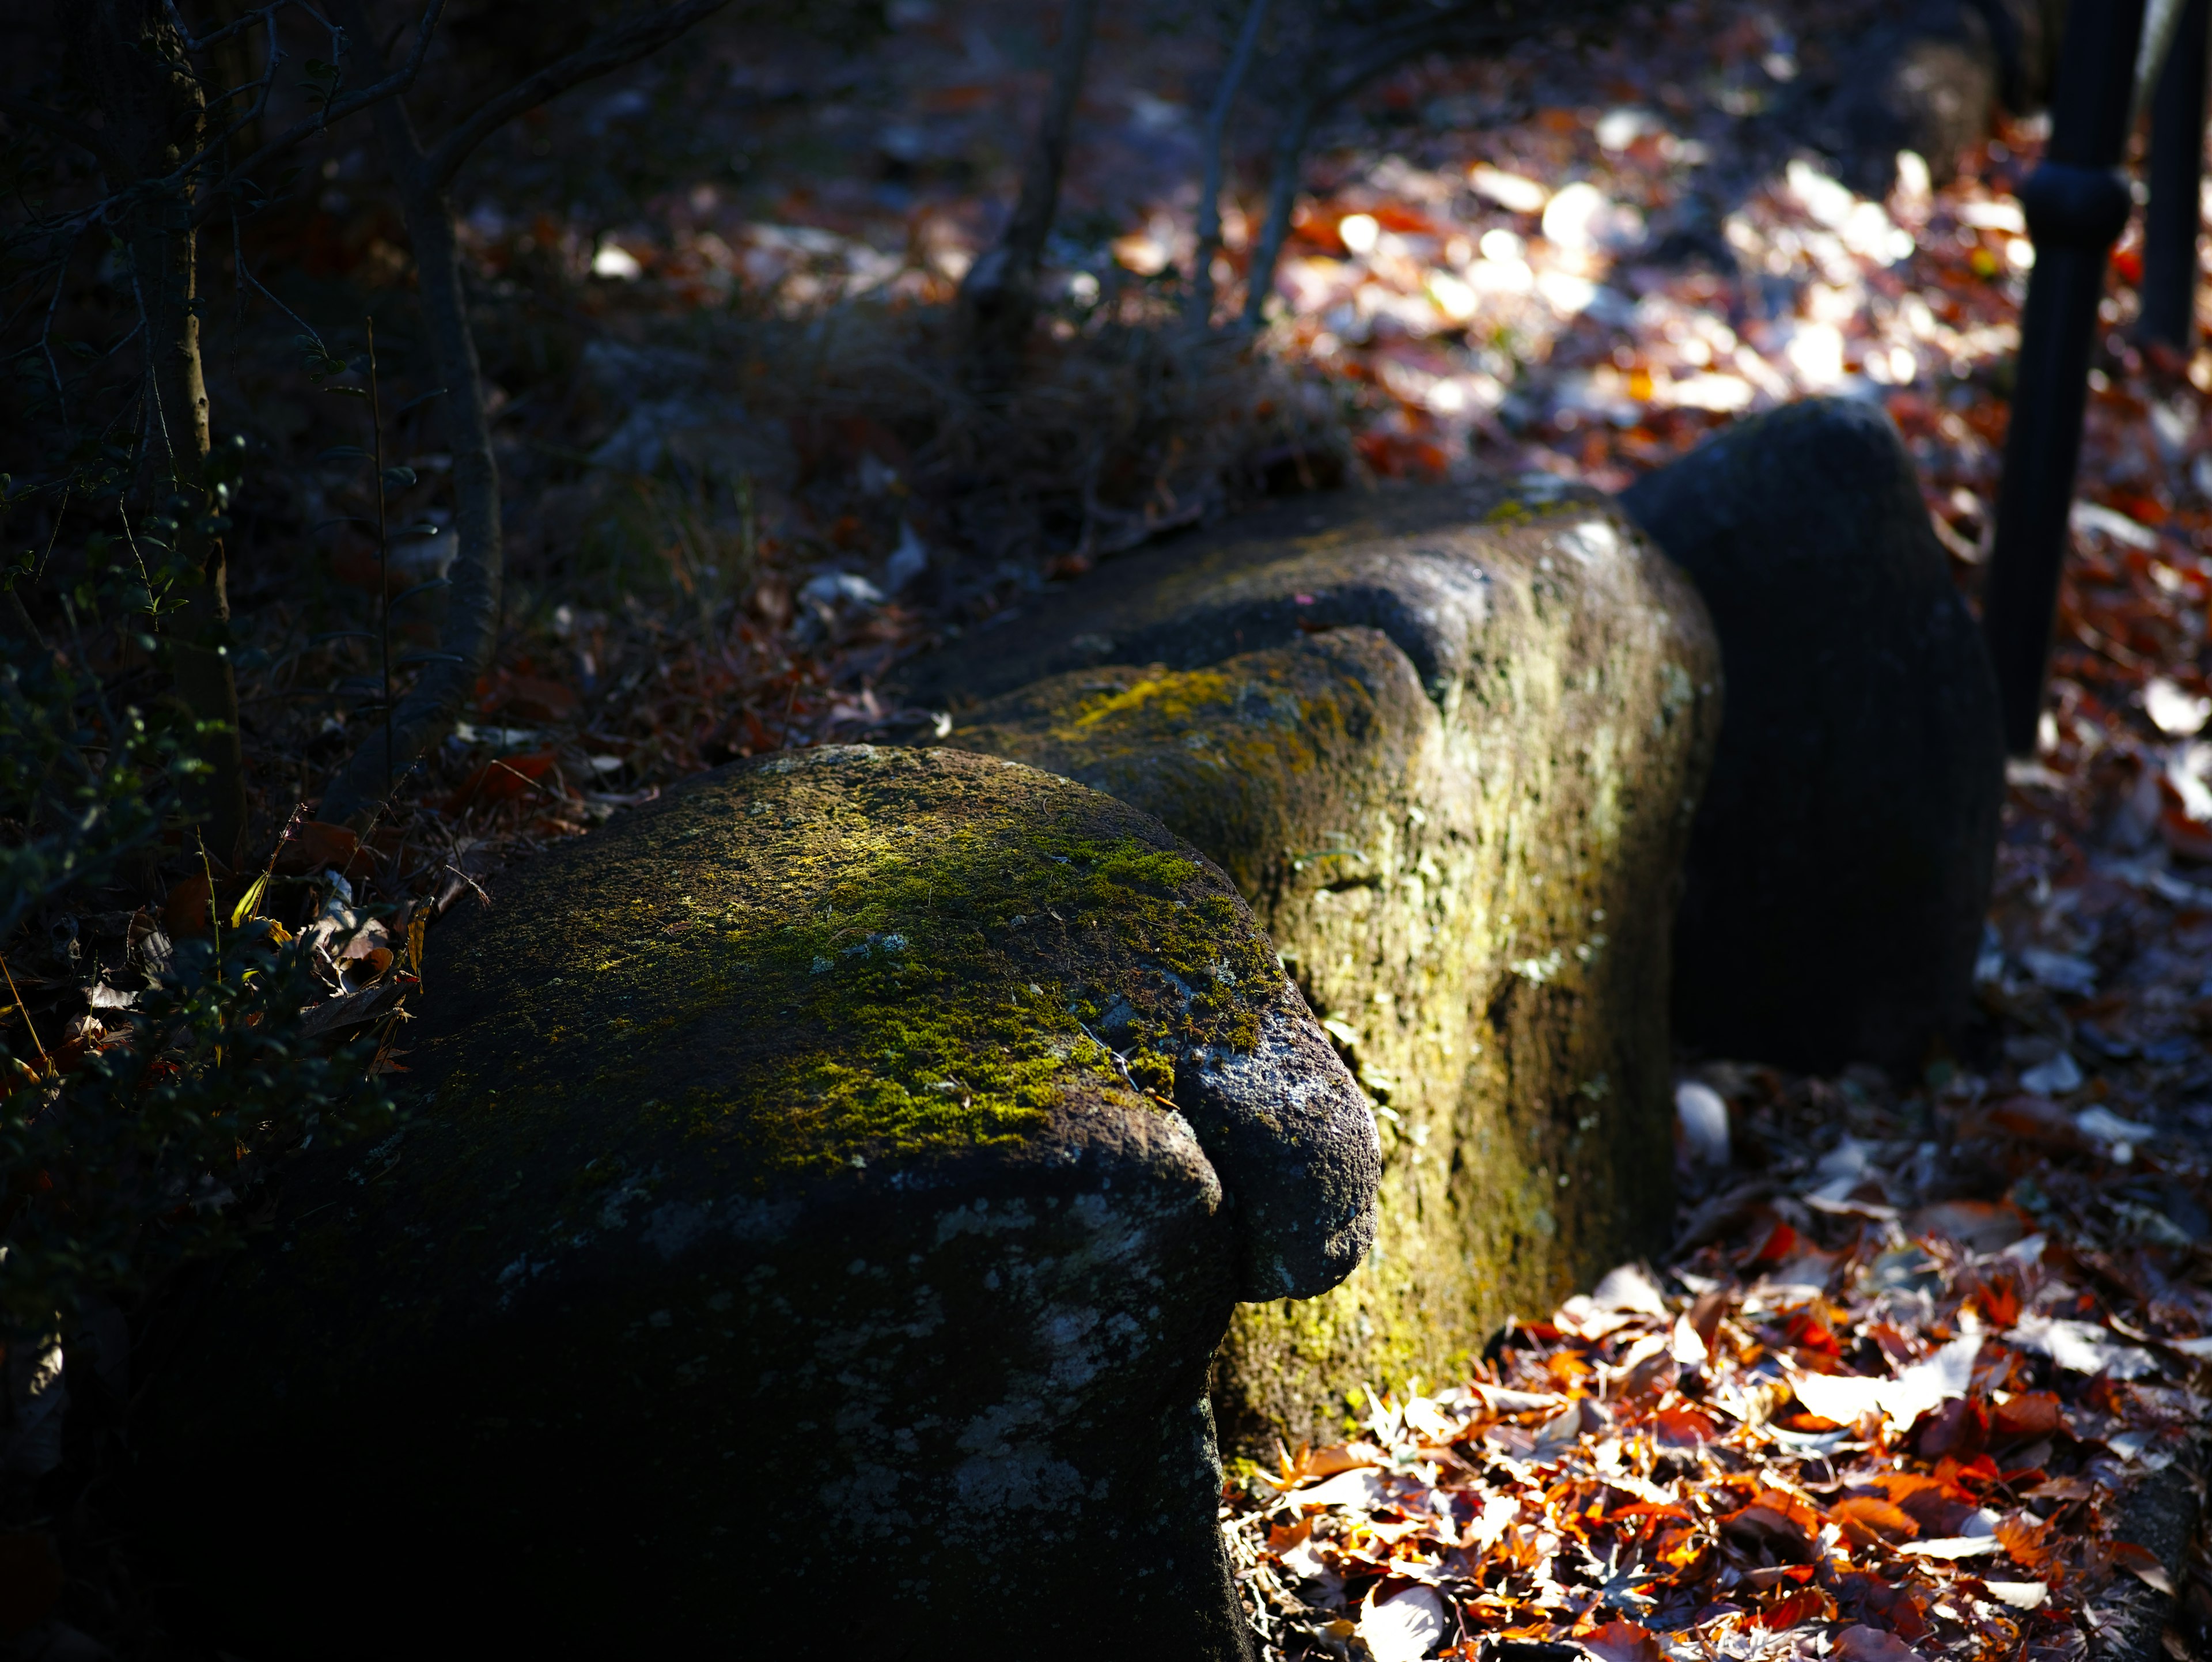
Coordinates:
(1923, 1355)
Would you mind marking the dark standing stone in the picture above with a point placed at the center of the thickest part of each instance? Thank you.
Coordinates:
(1840, 863)
(1932, 82)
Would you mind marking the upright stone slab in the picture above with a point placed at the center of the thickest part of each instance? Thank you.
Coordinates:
(1448, 743)
(778, 1263)
(1842, 860)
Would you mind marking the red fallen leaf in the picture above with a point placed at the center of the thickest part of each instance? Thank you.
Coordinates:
(1398, 455)
(1779, 1526)
(1705, 1316)
(2035, 1120)
(502, 780)
(2144, 1565)
(1940, 1516)
(532, 697)
(1778, 1575)
(1981, 1225)
(317, 844)
(2185, 836)
(1971, 1476)
(2028, 1542)
(1621, 1641)
(1683, 1426)
(1781, 1243)
(1957, 1430)
(1814, 1335)
(1341, 1456)
(30, 1582)
(185, 911)
(2031, 1414)
(1864, 1644)
(1999, 1303)
(1649, 1509)
(1392, 217)
(1793, 1610)
(2143, 510)
(1871, 1515)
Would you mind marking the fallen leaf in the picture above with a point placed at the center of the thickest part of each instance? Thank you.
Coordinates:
(504, 780)
(1404, 1627)
(315, 845)
(1621, 1641)
(1865, 1644)
(1875, 1517)
(2144, 1564)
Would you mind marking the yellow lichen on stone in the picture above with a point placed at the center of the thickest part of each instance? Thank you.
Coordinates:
(1470, 876)
(860, 977)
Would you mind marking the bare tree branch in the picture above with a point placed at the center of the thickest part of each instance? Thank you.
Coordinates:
(625, 43)
(998, 298)
(1344, 58)
(1201, 309)
(87, 139)
(388, 88)
(201, 42)
(427, 712)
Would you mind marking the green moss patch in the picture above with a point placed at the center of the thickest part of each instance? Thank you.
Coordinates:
(867, 957)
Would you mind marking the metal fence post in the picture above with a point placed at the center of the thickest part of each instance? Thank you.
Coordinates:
(2076, 204)
(2177, 158)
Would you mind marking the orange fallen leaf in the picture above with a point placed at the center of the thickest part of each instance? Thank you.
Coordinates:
(1621, 1641)
(2144, 1565)
(1865, 1644)
(1873, 1516)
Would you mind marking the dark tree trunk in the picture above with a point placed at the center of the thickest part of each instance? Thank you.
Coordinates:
(426, 713)
(998, 300)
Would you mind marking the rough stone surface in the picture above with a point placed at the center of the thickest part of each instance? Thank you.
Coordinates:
(778, 1258)
(1841, 863)
(1932, 81)
(1448, 742)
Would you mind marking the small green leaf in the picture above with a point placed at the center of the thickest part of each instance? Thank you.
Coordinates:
(248, 901)
(419, 398)
(398, 478)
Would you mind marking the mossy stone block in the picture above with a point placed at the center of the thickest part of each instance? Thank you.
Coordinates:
(1449, 742)
(776, 1254)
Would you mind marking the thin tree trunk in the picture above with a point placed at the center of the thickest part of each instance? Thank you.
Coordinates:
(421, 181)
(154, 114)
(1282, 195)
(1200, 313)
(426, 712)
(998, 299)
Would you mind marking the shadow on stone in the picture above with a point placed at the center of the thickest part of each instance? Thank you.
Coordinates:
(775, 1257)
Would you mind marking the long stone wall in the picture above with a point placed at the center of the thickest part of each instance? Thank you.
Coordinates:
(1448, 744)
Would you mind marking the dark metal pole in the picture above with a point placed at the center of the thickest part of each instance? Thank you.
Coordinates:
(2076, 204)
(2177, 159)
